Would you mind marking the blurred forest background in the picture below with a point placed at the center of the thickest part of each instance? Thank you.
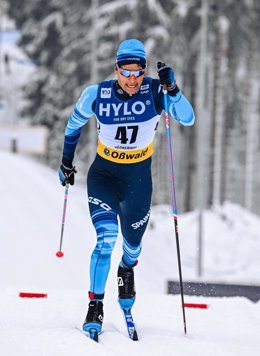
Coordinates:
(214, 48)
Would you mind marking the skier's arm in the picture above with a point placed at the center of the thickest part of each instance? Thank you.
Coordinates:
(178, 105)
(180, 108)
(82, 111)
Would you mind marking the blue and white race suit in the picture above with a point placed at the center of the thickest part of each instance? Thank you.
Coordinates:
(119, 180)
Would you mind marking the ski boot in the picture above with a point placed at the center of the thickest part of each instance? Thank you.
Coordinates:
(126, 287)
(94, 319)
(126, 298)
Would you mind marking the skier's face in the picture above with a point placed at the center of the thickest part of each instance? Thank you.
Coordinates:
(130, 82)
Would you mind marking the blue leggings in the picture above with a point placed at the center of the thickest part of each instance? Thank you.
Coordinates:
(117, 190)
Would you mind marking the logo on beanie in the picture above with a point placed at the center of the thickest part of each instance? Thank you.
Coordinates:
(132, 59)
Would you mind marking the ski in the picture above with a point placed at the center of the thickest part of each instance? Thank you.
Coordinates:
(130, 324)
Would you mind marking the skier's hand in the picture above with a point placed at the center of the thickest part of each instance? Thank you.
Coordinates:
(167, 78)
(66, 174)
(166, 74)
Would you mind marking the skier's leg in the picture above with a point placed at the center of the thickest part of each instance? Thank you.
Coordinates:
(106, 227)
(103, 211)
(134, 216)
(134, 213)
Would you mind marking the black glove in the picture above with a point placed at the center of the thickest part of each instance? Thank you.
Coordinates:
(66, 174)
(167, 79)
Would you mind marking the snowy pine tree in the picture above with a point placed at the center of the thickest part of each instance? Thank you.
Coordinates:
(74, 44)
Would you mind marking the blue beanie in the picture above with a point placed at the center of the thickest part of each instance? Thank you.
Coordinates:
(131, 51)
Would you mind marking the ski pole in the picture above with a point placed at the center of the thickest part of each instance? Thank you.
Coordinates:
(60, 253)
(174, 204)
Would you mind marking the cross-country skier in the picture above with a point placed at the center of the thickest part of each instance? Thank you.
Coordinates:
(119, 181)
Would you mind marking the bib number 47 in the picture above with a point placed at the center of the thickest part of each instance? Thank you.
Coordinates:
(126, 134)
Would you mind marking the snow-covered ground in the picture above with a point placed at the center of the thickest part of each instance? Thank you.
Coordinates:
(31, 202)
(31, 210)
